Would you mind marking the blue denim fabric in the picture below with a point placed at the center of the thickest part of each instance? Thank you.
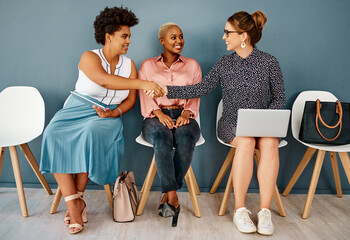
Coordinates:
(173, 148)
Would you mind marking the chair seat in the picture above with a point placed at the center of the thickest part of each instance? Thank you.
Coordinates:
(281, 144)
(328, 147)
(141, 140)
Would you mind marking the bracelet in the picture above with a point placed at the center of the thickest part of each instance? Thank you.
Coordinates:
(120, 111)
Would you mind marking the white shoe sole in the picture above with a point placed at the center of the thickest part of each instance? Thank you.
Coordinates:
(242, 230)
(265, 232)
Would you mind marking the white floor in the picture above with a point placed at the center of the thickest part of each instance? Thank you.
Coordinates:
(329, 218)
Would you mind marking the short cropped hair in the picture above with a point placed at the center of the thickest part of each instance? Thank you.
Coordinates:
(164, 28)
(111, 20)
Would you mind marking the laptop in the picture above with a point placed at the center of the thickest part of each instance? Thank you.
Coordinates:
(262, 122)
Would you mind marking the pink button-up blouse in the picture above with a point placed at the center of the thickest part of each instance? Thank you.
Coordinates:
(185, 71)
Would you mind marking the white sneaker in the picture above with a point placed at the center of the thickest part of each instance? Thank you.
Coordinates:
(242, 221)
(265, 225)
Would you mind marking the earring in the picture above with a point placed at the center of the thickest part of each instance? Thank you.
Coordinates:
(243, 44)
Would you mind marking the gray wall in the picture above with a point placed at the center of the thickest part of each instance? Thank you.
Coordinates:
(42, 41)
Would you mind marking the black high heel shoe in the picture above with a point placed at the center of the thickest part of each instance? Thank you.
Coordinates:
(169, 210)
(160, 208)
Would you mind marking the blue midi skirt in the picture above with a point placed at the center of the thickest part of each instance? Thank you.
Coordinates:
(77, 140)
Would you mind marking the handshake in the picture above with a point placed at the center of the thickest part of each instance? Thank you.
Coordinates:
(155, 89)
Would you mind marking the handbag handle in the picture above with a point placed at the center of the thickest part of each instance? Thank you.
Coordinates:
(338, 110)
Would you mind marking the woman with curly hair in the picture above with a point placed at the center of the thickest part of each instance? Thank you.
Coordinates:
(83, 142)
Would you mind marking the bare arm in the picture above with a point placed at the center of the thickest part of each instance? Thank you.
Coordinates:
(129, 102)
(126, 105)
(90, 64)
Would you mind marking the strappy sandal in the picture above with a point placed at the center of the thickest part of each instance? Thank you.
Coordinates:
(66, 219)
(83, 214)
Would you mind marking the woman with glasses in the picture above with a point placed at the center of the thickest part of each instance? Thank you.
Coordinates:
(83, 142)
(249, 78)
(170, 124)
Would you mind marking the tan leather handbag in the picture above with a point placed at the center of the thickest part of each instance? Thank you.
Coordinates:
(125, 198)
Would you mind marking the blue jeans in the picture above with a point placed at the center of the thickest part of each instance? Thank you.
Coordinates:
(173, 148)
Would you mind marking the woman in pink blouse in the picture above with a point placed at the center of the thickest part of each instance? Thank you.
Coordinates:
(169, 123)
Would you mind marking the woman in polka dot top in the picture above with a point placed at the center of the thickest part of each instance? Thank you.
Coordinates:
(249, 78)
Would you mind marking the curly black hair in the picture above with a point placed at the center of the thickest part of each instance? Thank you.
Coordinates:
(110, 20)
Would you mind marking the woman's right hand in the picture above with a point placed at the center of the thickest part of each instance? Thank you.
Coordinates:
(154, 89)
(164, 119)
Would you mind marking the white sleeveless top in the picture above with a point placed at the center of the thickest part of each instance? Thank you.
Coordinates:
(107, 96)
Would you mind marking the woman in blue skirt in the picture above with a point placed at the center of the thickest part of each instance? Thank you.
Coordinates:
(83, 142)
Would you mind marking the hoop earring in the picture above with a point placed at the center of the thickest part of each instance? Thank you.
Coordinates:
(243, 45)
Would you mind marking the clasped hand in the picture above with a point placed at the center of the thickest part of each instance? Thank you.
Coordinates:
(156, 90)
(167, 121)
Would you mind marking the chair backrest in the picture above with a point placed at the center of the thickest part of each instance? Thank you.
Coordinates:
(218, 116)
(22, 115)
(299, 105)
(141, 140)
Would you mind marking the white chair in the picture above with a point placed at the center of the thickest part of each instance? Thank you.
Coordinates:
(297, 114)
(190, 179)
(22, 120)
(58, 194)
(226, 165)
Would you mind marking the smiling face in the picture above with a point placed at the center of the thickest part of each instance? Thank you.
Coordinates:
(120, 40)
(233, 40)
(173, 40)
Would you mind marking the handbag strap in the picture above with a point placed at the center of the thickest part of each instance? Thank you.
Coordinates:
(338, 110)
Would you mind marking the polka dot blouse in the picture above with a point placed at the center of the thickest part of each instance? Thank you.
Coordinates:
(253, 82)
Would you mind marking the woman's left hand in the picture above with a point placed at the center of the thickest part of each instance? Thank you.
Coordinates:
(182, 120)
(104, 114)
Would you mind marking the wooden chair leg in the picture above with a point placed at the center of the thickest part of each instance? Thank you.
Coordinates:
(18, 179)
(56, 201)
(192, 191)
(2, 154)
(336, 173)
(278, 201)
(227, 195)
(225, 166)
(276, 194)
(303, 163)
(108, 191)
(32, 162)
(193, 179)
(147, 186)
(313, 183)
(344, 157)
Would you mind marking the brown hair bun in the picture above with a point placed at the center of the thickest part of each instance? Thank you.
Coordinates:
(259, 19)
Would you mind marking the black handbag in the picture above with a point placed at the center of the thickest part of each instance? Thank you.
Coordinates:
(325, 123)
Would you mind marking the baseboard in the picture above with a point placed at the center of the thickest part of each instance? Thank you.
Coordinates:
(184, 189)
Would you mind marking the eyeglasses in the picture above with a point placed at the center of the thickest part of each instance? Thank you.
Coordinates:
(227, 32)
